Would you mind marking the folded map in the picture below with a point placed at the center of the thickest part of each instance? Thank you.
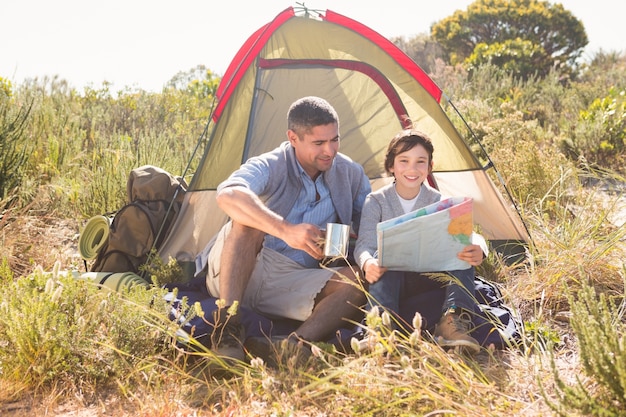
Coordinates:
(427, 239)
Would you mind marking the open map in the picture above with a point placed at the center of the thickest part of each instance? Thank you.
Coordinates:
(428, 239)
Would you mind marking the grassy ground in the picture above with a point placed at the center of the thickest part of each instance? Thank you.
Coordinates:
(402, 376)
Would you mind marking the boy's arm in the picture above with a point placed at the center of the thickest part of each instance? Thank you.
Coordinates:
(366, 243)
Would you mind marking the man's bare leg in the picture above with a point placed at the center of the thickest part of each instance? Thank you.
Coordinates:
(237, 261)
(337, 303)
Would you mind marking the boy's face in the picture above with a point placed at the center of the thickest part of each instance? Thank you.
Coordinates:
(411, 168)
(316, 150)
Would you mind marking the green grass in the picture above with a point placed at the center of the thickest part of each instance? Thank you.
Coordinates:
(55, 328)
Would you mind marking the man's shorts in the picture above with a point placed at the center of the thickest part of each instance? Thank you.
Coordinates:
(278, 286)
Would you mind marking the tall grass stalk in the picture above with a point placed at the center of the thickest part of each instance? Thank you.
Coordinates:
(409, 376)
(574, 242)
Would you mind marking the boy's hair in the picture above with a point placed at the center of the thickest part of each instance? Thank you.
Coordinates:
(308, 112)
(404, 141)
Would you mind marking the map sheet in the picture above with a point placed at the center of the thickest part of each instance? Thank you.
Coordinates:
(428, 239)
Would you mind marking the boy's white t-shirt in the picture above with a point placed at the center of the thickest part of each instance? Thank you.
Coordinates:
(407, 205)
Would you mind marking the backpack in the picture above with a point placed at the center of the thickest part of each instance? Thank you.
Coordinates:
(154, 201)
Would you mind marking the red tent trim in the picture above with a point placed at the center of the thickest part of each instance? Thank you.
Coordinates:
(385, 44)
(253, 45)
(359, 66)
(245, 57)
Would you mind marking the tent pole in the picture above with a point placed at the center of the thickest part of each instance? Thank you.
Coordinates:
(201, 138)
(171, 203)
(490, 164)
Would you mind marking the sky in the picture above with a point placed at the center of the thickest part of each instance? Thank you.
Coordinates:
(144, 43)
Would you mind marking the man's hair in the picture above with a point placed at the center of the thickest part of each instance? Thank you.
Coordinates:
(308, 112)
(404, 141)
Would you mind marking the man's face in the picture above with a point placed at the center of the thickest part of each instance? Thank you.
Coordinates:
(316, 150)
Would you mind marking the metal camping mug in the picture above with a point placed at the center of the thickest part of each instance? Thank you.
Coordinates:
(337, 240)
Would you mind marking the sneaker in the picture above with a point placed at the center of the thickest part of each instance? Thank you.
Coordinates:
(453, 331)
(279, 351)
(227, 339)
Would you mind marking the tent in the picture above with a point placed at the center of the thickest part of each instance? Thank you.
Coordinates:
(371, 83)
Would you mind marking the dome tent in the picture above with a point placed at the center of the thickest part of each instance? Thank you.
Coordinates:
(373, 86)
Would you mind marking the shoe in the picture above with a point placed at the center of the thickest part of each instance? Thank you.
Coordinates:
(279, 351)
(227, 339)
(453, 331)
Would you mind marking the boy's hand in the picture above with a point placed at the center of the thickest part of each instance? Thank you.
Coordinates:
(472, 254)
(373, 271)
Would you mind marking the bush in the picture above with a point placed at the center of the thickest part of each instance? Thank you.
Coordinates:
(599, 325)
(14, 150)
(600, 137)
(56, 330)
(528, 162)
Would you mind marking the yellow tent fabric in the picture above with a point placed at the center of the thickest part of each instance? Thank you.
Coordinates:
(371, 84)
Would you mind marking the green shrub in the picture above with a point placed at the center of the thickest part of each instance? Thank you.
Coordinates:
(84, 145)
(528, 162)
(598, 322)
(600, 137)
(58, 330)
(14, 148)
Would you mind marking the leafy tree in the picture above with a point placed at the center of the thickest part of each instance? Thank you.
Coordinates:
(422, 49)
(527, 36)
(199, 81)
(518, 57)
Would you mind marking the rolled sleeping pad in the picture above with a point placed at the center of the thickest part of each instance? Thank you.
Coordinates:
(93, 237)
(115, 281)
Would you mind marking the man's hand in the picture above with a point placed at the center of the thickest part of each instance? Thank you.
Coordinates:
(306, 237)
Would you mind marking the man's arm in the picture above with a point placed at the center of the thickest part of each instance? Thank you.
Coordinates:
(245, 207)
(357, 207)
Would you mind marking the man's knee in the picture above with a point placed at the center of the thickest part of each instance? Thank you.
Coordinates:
(353, 285)
(352, 274)
(246, 236)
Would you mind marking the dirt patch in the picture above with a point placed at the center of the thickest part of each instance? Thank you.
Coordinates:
(31, 240)
(27, 409)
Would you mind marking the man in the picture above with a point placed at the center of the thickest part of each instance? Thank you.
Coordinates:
(268, 256)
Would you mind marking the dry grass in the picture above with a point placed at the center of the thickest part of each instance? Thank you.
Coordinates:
(411, 378)
(33, 236)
